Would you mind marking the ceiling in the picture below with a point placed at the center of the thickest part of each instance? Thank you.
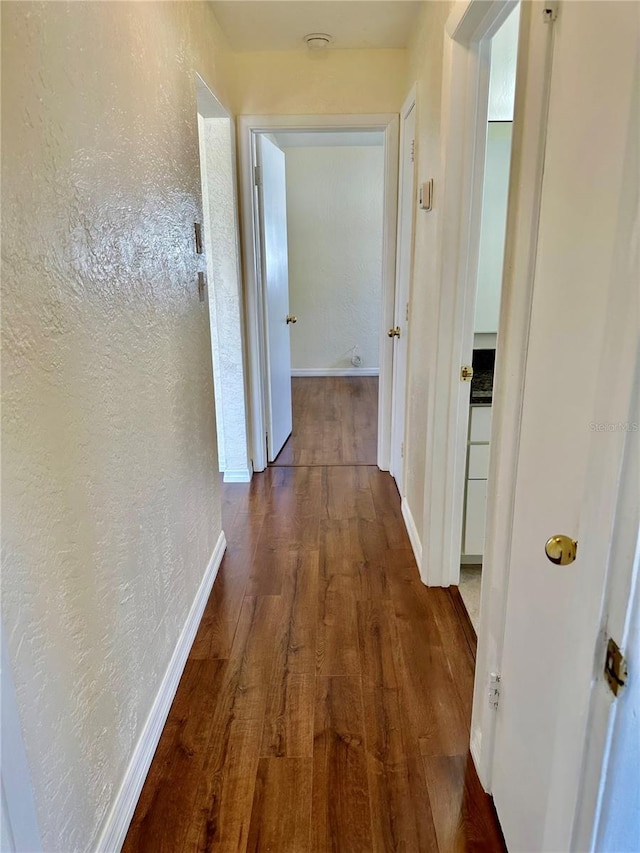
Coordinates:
(282, 24)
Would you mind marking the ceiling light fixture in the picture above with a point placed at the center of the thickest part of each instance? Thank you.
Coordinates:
(318, 41)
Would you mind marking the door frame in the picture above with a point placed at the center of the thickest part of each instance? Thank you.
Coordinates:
(231, 420)
(248, 128)
(467, 54)
(466, 67)
(397, 459)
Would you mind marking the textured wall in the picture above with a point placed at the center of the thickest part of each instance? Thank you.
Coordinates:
(334, 214)
(225, 298)
(110, 487)
(336, 81)
(425, 69)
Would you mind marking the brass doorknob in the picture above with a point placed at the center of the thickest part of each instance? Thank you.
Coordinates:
(394, 333)
(561, 550)
(291, 319)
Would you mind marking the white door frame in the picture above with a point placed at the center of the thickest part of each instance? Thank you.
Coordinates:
(248, 128)
(469, 29)
(397, 460)
(234, 403)
(467, 57)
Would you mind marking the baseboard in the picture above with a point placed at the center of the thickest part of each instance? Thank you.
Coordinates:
(118, 820)
(238, 475)
(335, 371)
(412, 530)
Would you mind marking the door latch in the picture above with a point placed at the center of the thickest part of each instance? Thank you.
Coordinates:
(466, 373)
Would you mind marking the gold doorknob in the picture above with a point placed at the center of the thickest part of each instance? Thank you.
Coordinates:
(291, 319)
(561, 550)
(394, 333)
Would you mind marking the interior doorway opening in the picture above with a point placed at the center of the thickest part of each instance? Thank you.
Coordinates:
(494, 193)
(319, 208)
(218, 241)
(334, 234)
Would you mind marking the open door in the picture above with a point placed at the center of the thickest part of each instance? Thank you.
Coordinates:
(272, 194)
(403, 286)
(577, 409)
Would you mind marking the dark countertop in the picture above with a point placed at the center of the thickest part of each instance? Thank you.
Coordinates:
(482, 382)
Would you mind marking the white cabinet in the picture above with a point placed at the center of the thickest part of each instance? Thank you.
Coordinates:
(475, 508)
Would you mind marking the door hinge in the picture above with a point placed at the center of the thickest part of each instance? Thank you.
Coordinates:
(257, 176)
(402, 450)
(202, 284)
(615, 667)
(406, 313)
(550, 11)
(466, 373)
(413, 150)
(494, 690)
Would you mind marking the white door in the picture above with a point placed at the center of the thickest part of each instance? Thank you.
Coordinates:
(580, 363)
(403, 284)
(275, 278)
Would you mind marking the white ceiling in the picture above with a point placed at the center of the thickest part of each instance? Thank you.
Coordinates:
(329, 139)
(282, 24)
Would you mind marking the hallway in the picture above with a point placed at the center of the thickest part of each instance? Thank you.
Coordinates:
(335, 421)
(326, 701)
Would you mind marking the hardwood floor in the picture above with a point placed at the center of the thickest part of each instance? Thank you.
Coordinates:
(325, 705)
(335, 421)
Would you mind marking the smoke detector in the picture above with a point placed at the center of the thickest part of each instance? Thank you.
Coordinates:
(318, 41)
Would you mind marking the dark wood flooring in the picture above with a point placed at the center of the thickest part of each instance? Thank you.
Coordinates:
(325, 705)
(335, 421)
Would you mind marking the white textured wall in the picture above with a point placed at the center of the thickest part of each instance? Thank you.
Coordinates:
(225, 298)
(110, 488)
(300, 82)
(334, 215)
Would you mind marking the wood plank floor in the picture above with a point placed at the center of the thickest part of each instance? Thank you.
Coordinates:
(335, 421)
(325, 705)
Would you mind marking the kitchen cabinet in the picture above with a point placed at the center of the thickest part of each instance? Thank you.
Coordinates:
(475, 508)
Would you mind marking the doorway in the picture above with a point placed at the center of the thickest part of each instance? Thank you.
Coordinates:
(488, 289)
(343, 284)
(334, 229)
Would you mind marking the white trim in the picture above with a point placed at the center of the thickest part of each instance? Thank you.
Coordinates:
(237, 475)
(335, 371)
(204, 90)
(412, 530)
(465, 104)
(121, 812)
(19, 816)
(248, 127)
(525, 190)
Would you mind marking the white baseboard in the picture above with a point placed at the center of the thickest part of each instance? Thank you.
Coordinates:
(412, 530)
(118, 820)
(335, 371)
(238, 475)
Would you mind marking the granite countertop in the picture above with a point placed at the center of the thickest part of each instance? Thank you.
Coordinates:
(482, 382)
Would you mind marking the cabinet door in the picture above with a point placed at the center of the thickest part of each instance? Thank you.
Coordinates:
(478, 468)
(480, 429)
(474, 521)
